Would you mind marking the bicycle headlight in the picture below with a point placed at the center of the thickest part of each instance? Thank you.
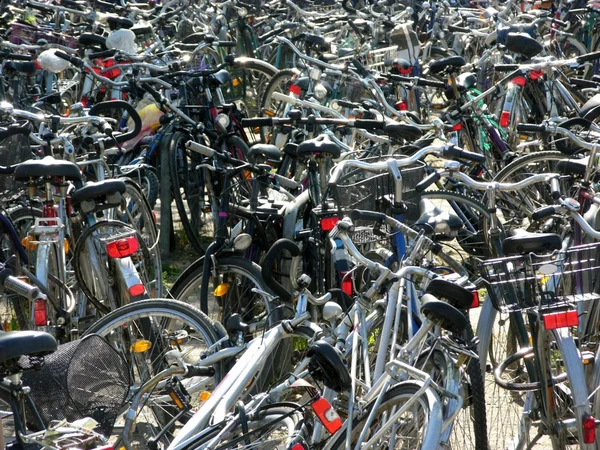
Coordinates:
(320, 91)
(222, 121)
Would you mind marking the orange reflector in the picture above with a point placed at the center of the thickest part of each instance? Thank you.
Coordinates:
(204, 395)
(328, 223)
(561, 319)
(176, 400)
(141, 346)
(269, 113)
(589, 429)
(28, 244)
(221, 289)
(505, 119)
(475, 302)
(327, 415)
(137, 289)
(123, 247)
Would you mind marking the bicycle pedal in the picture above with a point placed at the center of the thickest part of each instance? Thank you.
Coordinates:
(180, 396)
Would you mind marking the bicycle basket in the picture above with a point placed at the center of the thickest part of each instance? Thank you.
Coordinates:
(83, 378)
(359, 189)
(13, 150)
(541, 282)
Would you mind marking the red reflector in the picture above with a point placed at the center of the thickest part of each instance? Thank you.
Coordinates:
(328, 223)
(402, 105)
(346, 283)
(561, 319)
(457, 127)
(505, 119)
(406, 71)
(39, 313)
(534, 75)
(137, 289)
(298, 447)
(37, 64)
(123, 247)
(475, 302)
(295, 89)
(327, 415)
(519, 81)
(589, 429)
(154, 216)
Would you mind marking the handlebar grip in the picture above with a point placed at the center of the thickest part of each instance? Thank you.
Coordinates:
(257, 122)
(228, 44)
(398, 78)
(18, 57)
(458, 153)
(455, 29)
(72, 59)
(347, 8)
(102, 107)
(555, 188)
(560, 23)
(13, 284)
(286, 182)
(505, 67)
(369, 124)
(267, 266)
(531, 128)
(589, 57)
(199, 371)
(543, 212)
(347, 104)
(433, 178)
(202, 149)
(360, 68)
(103, 54)
(359, 214)
(431, 83)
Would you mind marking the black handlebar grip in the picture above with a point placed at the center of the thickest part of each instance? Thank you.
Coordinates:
(229, 44)
(433, 178)
(560, 23)
(21, 288)
(252, 122)
(267, 266)
(398, 78)
(543, 212)
(531, 128)
(505, 67)
(347, 104)
(369, 124)
(458, 153)
(72, 59)
(431, 83)
(589, 57)
(360, 69)
(103, 54)
(455, 29)
(372, 216)
(102, 107)
(199, 371)
(555, 188)
(18, 57)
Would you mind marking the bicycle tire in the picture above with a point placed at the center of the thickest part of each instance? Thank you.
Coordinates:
(278, 83)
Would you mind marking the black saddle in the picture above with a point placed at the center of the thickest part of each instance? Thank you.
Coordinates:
(402, 131)
(456, 295)
(433, 220)
(47, 168)
(15, 344)
(119, 22)
(440, 65)
(572, 166)
(523, 242)
(21, 66)
(317, 41)
(320, 145)
(140, 31)
(523, 44)
(443, 314)
(91, 40)
(107, 192)
(464, 82)
(260, 153)
(328, 57)
(219, 79)
(194, 38)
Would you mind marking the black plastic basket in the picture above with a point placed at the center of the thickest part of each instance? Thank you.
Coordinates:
(83, 378)
(541, 282)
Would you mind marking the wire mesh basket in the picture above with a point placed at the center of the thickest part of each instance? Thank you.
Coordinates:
(83, 378)
(374, 59)
(25, 34)
(13, 150)
(541, 282)
(360, 189)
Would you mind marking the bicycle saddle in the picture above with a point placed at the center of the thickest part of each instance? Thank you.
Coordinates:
(119, 22)
(260, 153)
(402, 131)
(326, 365)
(464, 82)
(91, 39)
(433, 220)
(443, 314)
(572, 166)
(141, 30)
(321, 145)
(523, 44)
(194, 38)
(590, 109)
(15, 344)
(318, 41)
(47, 168)
(524, 242)
(440, 65)
(457, 296)
(220, 78)
(21, 66)
(328, 57)
(101, 192)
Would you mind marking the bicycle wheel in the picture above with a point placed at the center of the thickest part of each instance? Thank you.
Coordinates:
(413, 430)
(279, 83)
(144, 332)
(189, 190)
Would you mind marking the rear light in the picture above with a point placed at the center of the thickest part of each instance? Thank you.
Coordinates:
(123, 247)
(519, 81)
(457, 127)
(40, 314)
(137, 289)
(327, 415)
(505, 119)
(328, 223)
(534, 75)
(562, 319)
(299, 447)
(407, 71)
(475, 303)
(295, 89)
(589, 429)
(346, 283)
(402, 105)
